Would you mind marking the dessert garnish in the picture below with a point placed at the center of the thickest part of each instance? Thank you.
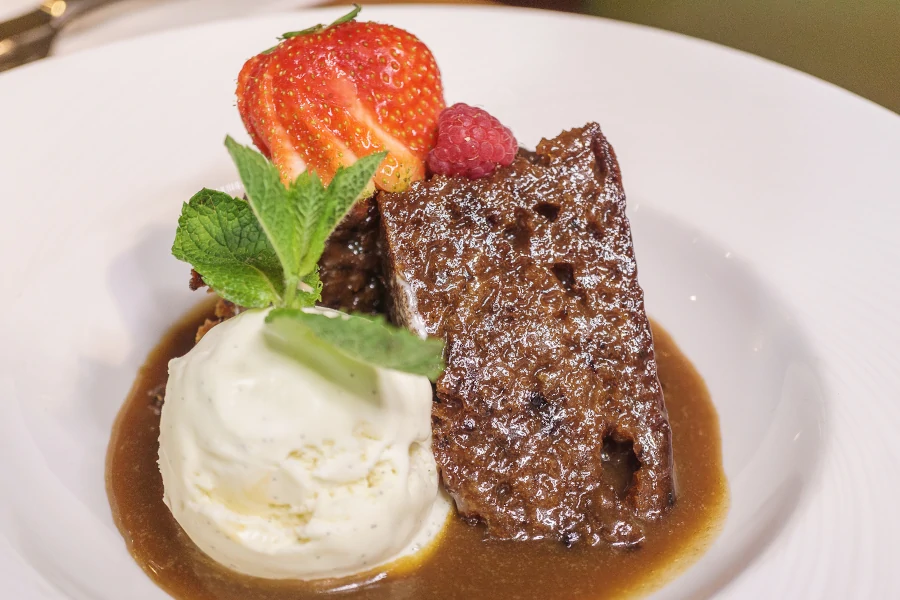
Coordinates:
(470, 143)
(264, 251)
(326, 96)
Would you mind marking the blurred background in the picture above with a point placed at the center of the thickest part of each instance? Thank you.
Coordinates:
(852, 43)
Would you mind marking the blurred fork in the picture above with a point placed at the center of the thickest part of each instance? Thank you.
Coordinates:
(29, 37)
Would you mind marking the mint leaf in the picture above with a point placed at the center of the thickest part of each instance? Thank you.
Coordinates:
(221, 238)
(306, 199)
(268, 199)
(329, 209)
(367, 339)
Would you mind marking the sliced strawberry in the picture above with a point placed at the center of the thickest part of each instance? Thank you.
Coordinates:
(247, 97)
(257, 107)
(323, 98)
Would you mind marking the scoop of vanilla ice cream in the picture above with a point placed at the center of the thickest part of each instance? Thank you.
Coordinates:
(287, 462)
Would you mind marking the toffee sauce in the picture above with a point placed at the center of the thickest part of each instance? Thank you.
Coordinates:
(462, 565)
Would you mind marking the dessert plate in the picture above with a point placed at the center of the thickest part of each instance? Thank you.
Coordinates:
(764, 207)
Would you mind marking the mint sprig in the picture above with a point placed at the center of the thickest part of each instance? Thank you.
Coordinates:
(264, 251)
(367, 339)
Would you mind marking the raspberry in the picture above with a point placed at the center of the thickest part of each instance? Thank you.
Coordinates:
(470, 143)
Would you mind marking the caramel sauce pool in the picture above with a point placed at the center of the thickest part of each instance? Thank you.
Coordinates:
(462, 565)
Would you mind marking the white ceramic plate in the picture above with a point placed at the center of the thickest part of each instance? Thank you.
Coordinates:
(764, 205)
